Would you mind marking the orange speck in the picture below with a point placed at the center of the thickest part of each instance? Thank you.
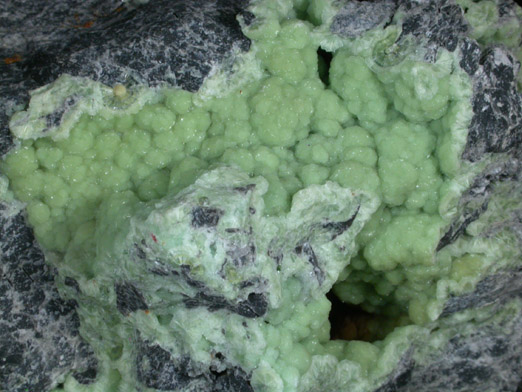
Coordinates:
(86, 25)
(11, 60)
(147, 311)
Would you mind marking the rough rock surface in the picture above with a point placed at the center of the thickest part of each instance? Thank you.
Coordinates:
(223, 272)
(356, 17)
(484, 357)
(112, 42)
(109, 42)
(39, 339)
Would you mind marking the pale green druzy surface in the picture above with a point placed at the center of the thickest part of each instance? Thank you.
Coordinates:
(380, 142)
(191, 268)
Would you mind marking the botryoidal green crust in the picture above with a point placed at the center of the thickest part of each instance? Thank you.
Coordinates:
(208, 227)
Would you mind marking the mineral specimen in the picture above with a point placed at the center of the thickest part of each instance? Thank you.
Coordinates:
(275, 196)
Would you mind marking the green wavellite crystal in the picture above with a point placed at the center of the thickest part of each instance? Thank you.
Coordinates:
(281, 187)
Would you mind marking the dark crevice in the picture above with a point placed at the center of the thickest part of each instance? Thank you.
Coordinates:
(347, 321)
(352, 322)
(302, 14)
(324, 59)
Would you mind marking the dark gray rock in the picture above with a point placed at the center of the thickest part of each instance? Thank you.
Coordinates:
(39, 340)
(495, 290)
(128, 298)
(470, 55)
(157, 368)
(205, 216)
(436, 24)
(357, 17)
(235, 380)
(401, 377)
(474, 202)
(484, 358)
(497, 107)
(159, 42)
(254, 306)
